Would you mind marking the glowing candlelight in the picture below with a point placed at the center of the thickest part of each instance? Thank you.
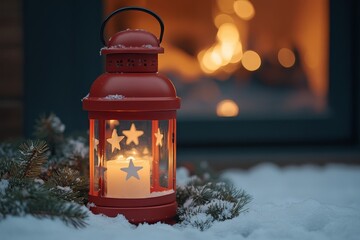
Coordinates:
(113, 123)
(129, 178)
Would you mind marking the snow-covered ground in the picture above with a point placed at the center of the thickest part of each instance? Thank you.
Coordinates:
(290, 203)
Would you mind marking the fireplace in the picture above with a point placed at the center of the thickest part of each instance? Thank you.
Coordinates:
(241, 59)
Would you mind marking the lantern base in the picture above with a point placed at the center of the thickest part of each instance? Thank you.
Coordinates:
(162, 213)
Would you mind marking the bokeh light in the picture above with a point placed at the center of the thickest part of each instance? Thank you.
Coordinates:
(251, 60)
(228, 32)
(227, 49)
(226, 6)
(221, 19)
(227, 108)
(286, 57)
(244, 9)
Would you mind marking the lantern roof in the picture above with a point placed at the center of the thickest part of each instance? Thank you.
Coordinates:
(131, 92)
(133, 41)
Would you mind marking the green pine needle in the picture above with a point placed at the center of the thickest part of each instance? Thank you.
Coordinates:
(56, 195)
(51, 129)
(32, 157)
(70, 214)
(25, 196)
(201, 203)
(69, 185)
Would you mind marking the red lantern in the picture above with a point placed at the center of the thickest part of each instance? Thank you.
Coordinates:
(132, 113)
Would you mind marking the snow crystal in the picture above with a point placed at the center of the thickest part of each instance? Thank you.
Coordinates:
(39, 180)
(114, 97)
(199, 219)
(65, 189)
(90, 204)
(76, 146)
(3, 185)
(117, 46)
(188, 203)
(157, 194)
(87, 95)
(228, 206)
(111, 47)
(56, 123)
(123, 46)
(294, 203)
(225, 214)
(147, 46)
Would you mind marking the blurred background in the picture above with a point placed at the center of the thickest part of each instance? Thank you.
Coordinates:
(259, 80)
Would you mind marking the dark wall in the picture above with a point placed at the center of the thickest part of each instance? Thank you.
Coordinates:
(11, 56)
(61, 58)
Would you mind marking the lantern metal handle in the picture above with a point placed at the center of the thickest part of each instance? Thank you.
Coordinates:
(129, 9)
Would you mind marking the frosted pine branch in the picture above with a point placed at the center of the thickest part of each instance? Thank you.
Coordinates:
(32, 157)
(51, 129)
(27, 187)
(69, 185)
(202, 203)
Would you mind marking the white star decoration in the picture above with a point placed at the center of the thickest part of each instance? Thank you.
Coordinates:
(132, 135)
(115, 140)
(131, 170)
(159, 138)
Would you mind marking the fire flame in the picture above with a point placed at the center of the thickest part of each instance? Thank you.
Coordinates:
(227, 49)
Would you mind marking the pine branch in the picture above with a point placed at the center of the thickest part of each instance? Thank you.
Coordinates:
(69, 185)
(8, 165)
(26, 196)
(32, 157)
(201, 203)
(23, 192)
(51, 129)
(8, 150)
(73, 152)
(70, 214)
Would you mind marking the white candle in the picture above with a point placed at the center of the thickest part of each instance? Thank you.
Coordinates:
(128, 178)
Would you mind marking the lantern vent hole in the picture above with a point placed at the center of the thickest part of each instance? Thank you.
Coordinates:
(132, 63)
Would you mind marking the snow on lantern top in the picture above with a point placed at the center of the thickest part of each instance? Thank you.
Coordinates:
(133, 41)
(131, 81)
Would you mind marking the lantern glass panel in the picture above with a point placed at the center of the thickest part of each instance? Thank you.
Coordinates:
(164, 156)
(94, 158)
(96, 164)
(132, 158)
